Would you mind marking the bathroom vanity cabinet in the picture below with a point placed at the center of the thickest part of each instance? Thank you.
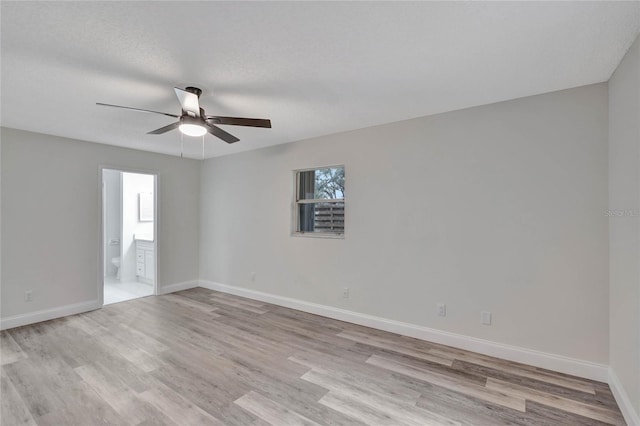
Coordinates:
(145, 261)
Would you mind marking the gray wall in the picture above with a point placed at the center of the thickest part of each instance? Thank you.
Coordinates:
(51, 230)
(499, 208)
(624, 223)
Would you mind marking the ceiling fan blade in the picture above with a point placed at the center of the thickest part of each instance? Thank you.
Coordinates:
(137, 109)
(188, 101)
(164, 129)
(237, 121)
(219, 133)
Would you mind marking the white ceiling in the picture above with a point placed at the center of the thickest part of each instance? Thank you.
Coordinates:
(313, 68)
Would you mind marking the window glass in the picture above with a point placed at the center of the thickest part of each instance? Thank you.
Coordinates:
(320, 203)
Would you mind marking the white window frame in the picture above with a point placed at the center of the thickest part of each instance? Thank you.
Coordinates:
(296, 202)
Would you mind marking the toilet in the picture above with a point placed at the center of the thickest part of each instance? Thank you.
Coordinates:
(116, 262)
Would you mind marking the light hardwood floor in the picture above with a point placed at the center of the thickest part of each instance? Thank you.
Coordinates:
(199, 357)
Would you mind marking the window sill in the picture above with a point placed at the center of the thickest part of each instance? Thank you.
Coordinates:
(318, 235)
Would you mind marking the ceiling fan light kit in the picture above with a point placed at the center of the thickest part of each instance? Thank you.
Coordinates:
(193, 121)
(191, 126)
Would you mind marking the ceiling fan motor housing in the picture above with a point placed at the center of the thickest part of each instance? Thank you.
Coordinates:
(197, 121)
(193, 90)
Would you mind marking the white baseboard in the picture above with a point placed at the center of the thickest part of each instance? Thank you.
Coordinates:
(48, 314)
(76, 308)
(573, 366)
(171, 288)
(622, 398)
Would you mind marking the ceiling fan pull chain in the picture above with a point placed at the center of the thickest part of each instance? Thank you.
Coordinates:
(202, 147)
(181, 144)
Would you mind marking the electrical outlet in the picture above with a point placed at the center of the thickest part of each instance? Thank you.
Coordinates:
(486, 317)
(28, 296)
(442, 310)
(253, 276)
(345, 293)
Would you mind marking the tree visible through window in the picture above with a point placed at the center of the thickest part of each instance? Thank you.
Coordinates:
(320, 200)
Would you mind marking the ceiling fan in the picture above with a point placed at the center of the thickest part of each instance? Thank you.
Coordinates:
(194, 122)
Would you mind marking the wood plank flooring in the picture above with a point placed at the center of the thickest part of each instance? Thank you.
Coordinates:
(200, 357)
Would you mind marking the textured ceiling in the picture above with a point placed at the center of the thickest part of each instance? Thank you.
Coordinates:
(313, 68)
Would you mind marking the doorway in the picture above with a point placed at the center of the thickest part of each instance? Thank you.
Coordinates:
(129, 235)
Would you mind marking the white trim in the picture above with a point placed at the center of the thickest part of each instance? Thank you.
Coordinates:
(624, 402)
(320, 200)
(308, 169)
(177, 287)
(573, 366)
(49, 314)
(76, 308)
(334, 235)
(156, 226)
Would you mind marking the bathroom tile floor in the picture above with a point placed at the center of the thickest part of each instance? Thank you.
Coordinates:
(118, 291)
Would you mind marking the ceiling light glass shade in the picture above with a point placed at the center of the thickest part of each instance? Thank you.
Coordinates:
(192, 129)
(192, 126)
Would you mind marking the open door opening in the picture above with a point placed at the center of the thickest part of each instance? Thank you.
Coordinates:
(129, 240)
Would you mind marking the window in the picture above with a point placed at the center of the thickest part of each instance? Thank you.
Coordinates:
(319, 201)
